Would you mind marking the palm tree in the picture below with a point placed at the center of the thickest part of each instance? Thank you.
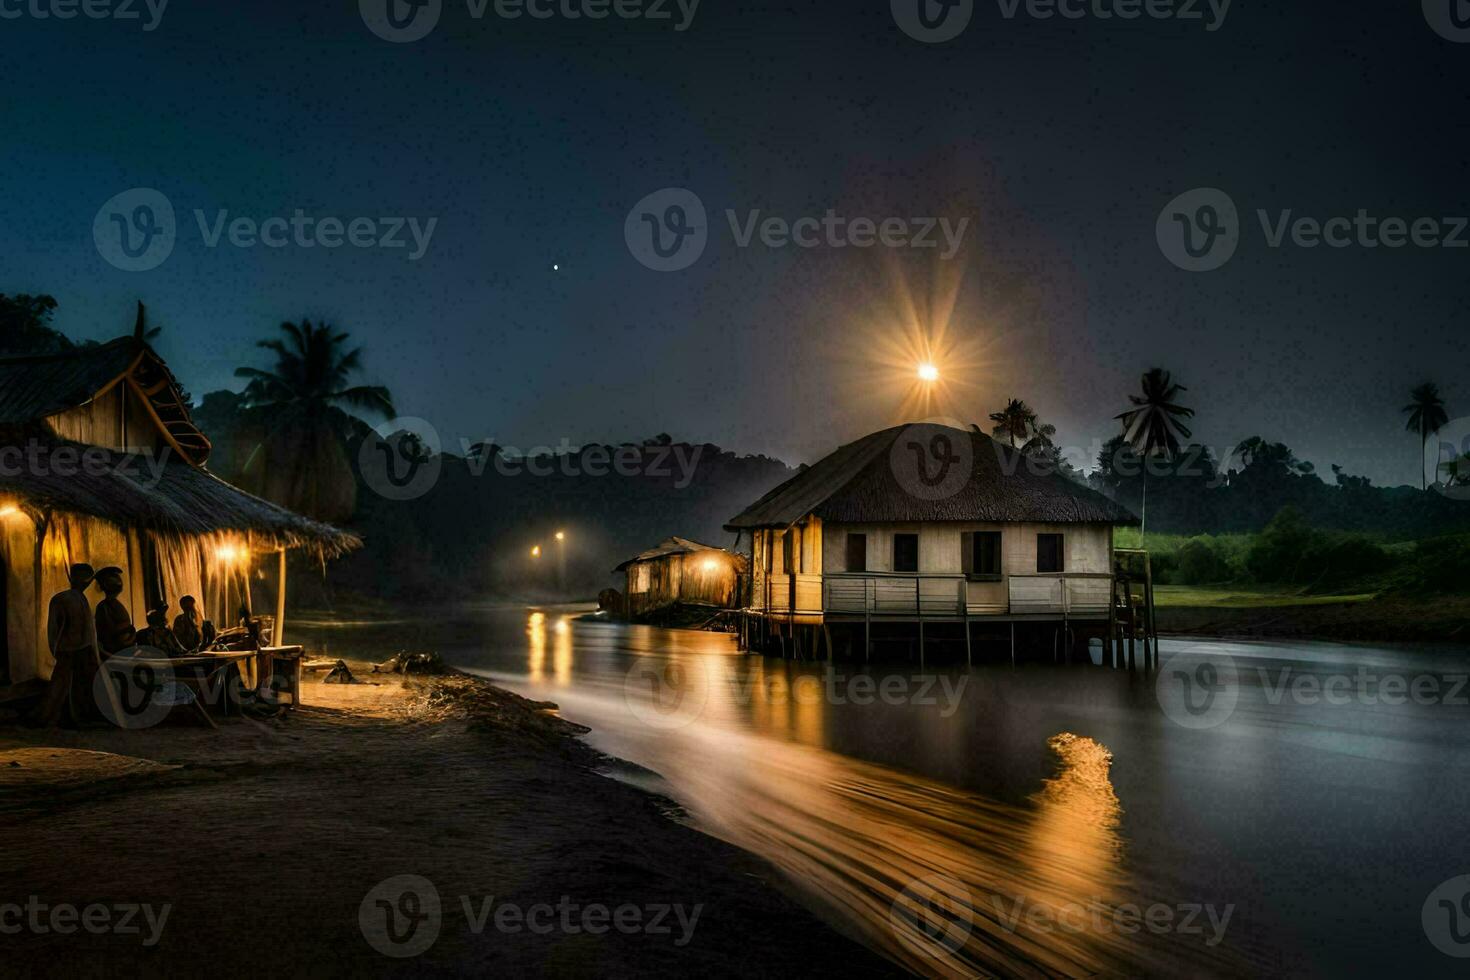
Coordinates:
(1427, 416)
(301, 461)
(1154, 425)
(1014, 423)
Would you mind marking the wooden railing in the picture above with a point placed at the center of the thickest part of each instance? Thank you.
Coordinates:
(947, 594)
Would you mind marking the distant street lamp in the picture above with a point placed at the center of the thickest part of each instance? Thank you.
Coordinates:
(536, 551)
(561, 560)
(928, 373)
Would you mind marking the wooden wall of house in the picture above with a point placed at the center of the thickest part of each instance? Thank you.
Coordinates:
(682, 578)
(175, 566)
(118, 420)
(1086, 548)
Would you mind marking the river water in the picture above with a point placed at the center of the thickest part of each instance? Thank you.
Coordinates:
(1255, 809)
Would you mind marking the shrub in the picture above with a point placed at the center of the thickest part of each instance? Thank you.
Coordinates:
(1277, 552)
(1203, 561)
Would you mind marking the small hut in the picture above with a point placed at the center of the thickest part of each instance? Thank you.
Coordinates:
(680, 572)
(101, 462)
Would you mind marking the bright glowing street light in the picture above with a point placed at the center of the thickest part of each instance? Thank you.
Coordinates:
(561, 535)
(928, 372)
(536, 551)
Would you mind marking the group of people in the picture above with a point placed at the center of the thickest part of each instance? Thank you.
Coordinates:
(81, 637)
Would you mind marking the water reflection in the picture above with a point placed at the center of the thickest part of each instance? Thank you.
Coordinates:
(946, 882)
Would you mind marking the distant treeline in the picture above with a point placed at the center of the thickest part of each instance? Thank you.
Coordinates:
(1193, 493)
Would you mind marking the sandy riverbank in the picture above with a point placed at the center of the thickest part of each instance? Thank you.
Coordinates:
(264, 839)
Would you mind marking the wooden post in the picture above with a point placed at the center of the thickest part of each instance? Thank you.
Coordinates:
(867, 624)
(1013, 643)
(965, 614)
(1152, 627)
(1112, 651)
(919, 611)
(278, 633)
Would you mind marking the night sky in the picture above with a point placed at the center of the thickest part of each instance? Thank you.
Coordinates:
(530, 141)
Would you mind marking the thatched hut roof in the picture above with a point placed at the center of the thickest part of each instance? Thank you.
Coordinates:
(171, 493)
(666, 547)
(35, 387)
(168, 496)
(860, 484)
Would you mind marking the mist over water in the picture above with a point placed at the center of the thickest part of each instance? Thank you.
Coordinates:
(1025, 822)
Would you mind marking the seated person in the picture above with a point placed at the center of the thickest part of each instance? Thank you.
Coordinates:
(158, 636)
(186, 625)
(114, 624)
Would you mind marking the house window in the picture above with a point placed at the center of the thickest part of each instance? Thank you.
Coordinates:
(980, 555)
(857, 552)
(905, 552)
(638, 579)
(1049, 553)
(790, 553)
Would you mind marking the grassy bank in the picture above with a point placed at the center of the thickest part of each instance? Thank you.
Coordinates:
(1285, 613)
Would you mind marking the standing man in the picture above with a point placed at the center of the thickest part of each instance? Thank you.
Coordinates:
(115, 631)
(72, 638)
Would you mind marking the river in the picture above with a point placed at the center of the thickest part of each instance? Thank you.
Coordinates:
(1259, 808)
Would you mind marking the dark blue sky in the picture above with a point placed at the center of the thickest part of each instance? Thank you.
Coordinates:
(530, 140)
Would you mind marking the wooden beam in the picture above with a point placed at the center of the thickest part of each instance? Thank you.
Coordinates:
(278, 634)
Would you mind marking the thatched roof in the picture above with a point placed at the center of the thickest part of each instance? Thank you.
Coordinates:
(872, 481)
(667, 547)
(182, 497)
(177, 498)
(35, 387)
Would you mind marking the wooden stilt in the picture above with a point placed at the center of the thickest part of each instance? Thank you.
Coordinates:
(1013, 643)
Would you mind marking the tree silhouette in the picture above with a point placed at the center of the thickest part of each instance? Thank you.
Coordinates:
(1427, 416)
(1154, 425)
(310, 407)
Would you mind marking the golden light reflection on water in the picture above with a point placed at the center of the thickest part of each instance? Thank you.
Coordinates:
(946, 882)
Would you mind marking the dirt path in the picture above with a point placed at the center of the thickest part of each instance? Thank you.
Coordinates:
(265, 839)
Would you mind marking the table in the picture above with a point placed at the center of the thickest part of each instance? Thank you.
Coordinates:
(202, 683)
(289, 657)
